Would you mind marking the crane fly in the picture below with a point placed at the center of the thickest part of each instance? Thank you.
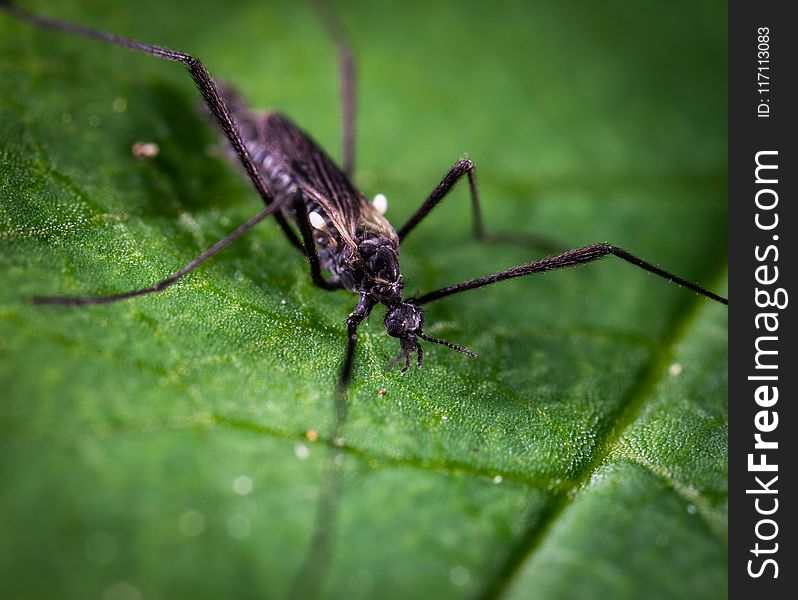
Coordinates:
(346, 239)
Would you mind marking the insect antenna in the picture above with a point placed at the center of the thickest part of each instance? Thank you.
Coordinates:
(435, 340)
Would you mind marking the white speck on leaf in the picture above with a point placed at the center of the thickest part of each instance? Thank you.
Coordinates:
(122, 590)
(242, 485)
(459, 576)
(191, 523)
(238, 527)
(101, 548)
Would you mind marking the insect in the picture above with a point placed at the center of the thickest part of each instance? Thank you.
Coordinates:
(324, 215)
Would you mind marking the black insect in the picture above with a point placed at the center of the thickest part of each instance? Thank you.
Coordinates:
(340, 231)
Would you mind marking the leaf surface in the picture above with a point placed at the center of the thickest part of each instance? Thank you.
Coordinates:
(160, 446)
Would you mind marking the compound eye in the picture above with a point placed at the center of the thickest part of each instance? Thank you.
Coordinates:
(394, 327)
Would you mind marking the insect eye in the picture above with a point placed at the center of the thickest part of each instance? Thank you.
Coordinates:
(394, 327)
(396, 323)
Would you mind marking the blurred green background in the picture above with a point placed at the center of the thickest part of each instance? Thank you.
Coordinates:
(158, 447)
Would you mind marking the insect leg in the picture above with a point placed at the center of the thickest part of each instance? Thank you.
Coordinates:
(462, 167)
(207, 87)
(310, 575)
(164, 283)
(571, 258)
(346, 65)
(362, 310)
(310, 247)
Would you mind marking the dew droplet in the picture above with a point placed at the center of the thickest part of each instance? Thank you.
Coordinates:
(122, 590)
(459, 575)
(238, 527)
(242, 485)
(191, 523)
(301, 451)
(101, 548)
(119, 105)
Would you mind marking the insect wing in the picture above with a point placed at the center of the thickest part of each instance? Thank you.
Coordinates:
(314, 172)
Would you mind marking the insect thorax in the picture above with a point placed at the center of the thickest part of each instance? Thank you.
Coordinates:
(371, 266)
(377, 270)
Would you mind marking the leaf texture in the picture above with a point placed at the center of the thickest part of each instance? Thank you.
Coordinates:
(175, 445)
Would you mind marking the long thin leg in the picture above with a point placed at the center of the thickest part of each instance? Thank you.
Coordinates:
(310, 575)
(346, 65)
(362, 310)
(571, 258)
(462, 167)
(310, 248)
(199, 74)
(164, 283)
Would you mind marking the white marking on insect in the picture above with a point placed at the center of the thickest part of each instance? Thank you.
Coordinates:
(380, 202)
(317, 220)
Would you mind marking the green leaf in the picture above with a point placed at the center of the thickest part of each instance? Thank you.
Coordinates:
(159, 447)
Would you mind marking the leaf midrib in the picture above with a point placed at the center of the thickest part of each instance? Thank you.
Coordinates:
(535, 536)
